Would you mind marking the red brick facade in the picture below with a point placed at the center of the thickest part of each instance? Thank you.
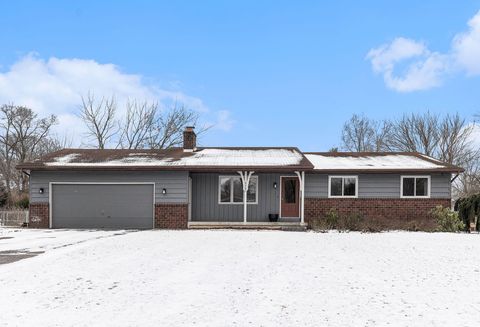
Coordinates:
(171, 216)
(38, 215)
(167, 216)
(382, 213)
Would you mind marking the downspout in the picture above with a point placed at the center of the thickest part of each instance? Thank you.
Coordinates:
(454, 178)
(28, 214)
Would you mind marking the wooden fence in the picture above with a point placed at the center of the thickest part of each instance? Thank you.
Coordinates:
(13, 217)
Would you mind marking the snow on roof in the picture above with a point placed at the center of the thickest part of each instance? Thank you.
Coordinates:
(231, 158)
(202, 157)
(381, 161)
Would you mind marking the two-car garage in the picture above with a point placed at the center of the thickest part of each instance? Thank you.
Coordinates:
(102, 205)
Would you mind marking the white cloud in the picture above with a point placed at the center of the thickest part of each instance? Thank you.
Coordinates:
(224, 121)
(466, 47)
(384, 57)
(425, 69)
(475, 136)
(55, 86)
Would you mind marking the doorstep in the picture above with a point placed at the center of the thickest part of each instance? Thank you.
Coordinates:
(285, 226)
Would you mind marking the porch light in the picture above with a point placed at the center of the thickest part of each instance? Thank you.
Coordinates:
(164, 191)
(275, 185)
(41, 190)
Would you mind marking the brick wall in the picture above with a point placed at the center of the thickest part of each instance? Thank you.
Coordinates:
(189, 139)
(382, 213)
(38, 215)
(171, 216)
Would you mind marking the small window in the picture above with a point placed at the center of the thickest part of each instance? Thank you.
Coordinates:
(415, 186)
(231, 190)
(343, 186)
(225, 189)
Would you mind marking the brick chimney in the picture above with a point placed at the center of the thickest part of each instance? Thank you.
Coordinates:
(189, 139)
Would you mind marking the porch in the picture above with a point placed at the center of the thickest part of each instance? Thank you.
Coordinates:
(246, 199)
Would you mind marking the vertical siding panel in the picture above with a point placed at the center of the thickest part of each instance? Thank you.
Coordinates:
(207, 208)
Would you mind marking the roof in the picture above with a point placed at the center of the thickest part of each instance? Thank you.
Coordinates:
(203, 159)
(377, 162)
(233, 159)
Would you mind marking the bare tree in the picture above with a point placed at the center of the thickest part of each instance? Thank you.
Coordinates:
(466, 154)
(415, 132)
(29, 131)
(468, 182)
(359, 134)
(136, 129)
(383, 136)
(167, 129)
(99, 118)
(455, 140)
(21, 135)
(52, 143)
(8, 143)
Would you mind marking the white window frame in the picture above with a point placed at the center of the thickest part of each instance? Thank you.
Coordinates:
(343, 181)
(231, 190)
(414, 196)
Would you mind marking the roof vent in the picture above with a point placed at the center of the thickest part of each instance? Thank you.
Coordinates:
(189, 139)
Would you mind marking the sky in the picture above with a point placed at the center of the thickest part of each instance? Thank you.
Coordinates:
(263, 73)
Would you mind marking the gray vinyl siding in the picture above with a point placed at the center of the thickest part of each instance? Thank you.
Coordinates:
(316, 186)
(376, 185)
(205, 206)
(441, 186)
(176, 183)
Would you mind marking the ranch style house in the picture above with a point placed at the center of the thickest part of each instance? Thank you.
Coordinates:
(198, 187)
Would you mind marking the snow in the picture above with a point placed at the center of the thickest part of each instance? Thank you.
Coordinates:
(66, 158)
(389, 161)
(228, 278)
(203, 157)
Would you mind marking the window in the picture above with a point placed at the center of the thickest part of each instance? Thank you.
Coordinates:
(415, 187)
(231, 190)
(290, 190)
(342, 186)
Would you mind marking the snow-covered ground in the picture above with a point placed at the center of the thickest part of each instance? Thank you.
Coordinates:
(240, 278)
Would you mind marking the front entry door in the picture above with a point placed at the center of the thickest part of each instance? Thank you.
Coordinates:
(290, 205)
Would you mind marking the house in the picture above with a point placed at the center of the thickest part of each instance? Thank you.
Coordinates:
(190, 186)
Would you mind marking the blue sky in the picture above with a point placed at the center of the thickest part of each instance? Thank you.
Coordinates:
(267, 73)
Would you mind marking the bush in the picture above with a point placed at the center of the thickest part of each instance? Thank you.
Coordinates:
(331, 218)
(352, 222)
(468, 208)
(23, 202)
(328, 221)
(447, 220)
(318, 224)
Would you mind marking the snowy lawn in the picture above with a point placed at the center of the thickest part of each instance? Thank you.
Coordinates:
(242, 278)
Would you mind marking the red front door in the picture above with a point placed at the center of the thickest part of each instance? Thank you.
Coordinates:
(290, 204)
